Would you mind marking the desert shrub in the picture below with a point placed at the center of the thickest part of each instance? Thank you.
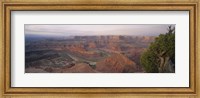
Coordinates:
(160, 53)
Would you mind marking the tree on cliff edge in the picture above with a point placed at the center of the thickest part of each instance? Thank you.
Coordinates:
(160, 56)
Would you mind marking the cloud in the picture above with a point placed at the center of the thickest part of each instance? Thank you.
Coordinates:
(70, 30)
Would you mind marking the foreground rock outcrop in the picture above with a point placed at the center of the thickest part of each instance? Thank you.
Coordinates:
(116, 63)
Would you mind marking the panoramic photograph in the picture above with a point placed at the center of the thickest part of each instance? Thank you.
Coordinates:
(99, 48)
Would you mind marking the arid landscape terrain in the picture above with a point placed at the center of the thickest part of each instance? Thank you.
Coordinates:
(85, 54)
(99, 48)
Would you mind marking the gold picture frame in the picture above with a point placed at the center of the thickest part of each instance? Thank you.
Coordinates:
(96, 5)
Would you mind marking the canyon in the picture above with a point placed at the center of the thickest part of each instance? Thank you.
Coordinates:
(85, 54)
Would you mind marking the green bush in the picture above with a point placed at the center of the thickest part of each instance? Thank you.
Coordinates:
(160, 54)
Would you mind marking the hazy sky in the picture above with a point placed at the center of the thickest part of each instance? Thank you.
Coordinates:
(87, 30)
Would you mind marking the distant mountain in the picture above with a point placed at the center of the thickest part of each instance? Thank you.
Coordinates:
(34, 37)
